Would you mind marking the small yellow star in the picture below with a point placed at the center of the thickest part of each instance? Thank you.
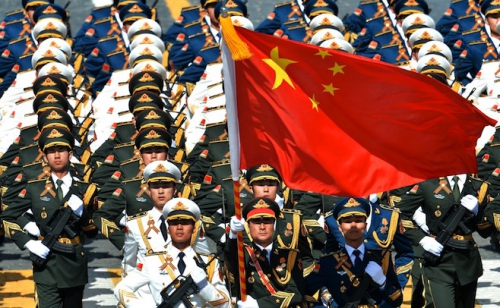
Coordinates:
(329, 88)
(314, 102)
(323, 54)
(337, 69)
(279, 66)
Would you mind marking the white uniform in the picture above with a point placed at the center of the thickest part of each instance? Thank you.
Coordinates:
(157, 267)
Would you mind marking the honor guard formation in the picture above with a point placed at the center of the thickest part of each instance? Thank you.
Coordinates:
(120, 128)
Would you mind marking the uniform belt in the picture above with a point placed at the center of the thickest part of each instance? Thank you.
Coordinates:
(467, 237)
(68, 241)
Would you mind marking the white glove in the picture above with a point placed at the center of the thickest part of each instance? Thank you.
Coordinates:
(373, 198)
(37, 248)
(76, 204)
(32, 228)
(420, 218)
(375, 271)
(236, 224)
(199, 277)
(431, 245)
(123, 220)
(249, 303)
(470, 202)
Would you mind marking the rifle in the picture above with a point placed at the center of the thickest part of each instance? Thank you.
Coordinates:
(58, 222)
(447, 225)
(182, 287)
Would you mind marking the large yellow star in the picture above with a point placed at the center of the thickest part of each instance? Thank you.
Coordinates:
(329, 88)
(337, 69)
(314, 102)
(279, 66)
(322, 53)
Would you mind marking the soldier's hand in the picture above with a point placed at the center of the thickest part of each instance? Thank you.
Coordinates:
(199, 277)
(37, 248)
(375, 271)
(470, 203)
(32, 228)
(236, 224)
(431, 245)
(76, 204)
(420, 219)
(249, 303)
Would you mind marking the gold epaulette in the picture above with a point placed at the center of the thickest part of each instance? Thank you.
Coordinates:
(130, 160)
(471, 31)
(311, 223)
(89, 194)
(368, 1)
(137, 178)
(216, 95)
(124, 123)
(103, 20)
(468, 16)
(215, 124)
(221, 163)
(292, 21)
(135, 216)
(123, 112)
(29, 54)
(477, 42)
(125, 144)
(214, 85)
(190, 8)
(109, 38)
(207, 219)
(197, 34)
(328, 214)
(14, 12)
(210, 47)
(38, 180)
(224, 140)
(297, 27)
(284, 3)
(17, 40)
(28, 127)
(12, 22)
(28, 146)
(375, 18)
(291, 211)
(387, 207)
(116, 98)
(196, 22)
(33, 164)
(116, 52)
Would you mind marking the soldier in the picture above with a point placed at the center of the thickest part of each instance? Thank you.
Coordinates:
(273, 273)
(441, 200)
(356, 275)
(163, 265)
(61, 281)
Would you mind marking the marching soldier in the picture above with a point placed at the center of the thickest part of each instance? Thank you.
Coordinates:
(60, 269)
(164, 265)
(273, 273)
(356, 275)
(444, 201)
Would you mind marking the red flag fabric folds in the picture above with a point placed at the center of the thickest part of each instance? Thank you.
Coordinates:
(341, 124)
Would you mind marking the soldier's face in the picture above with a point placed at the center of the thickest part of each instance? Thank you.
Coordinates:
(58, 158)
(180, 231)
(161, 193)
(152, 154)
(492, 20)
(210, 8)
(353, 228)
(265, 189)
(262, 230)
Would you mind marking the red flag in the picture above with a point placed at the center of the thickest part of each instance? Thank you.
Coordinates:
(341, 124)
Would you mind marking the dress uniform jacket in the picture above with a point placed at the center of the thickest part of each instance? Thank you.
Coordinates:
(384, 231)
(188, 15)
(436, 199)
(282, 12)
(334, 271)
(282, 275)
(61, 270)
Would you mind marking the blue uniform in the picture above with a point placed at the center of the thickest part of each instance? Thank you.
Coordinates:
(282, 13)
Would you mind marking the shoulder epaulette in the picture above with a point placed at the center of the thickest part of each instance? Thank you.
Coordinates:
(135, 216)
(471, 31)
(137, 178)
(215, 124)
(190, 8)
(12, 22)
(130, 160)
(375, 18)
(37, 180)
(387, 207)
(29, 54)
(284, 3)
(28, 127)
(121, 113)
(221, 163)
(477, 42)
(103, 20)
(196, 35)
(390, 45)
(293, 21)
(328, 214)
(192, 23)
(495, 144)
(300, 26)
(14, 12)
(28, 146)
(368, 1)
(124, 123)
(223, 140)
(467, 16)
(126, 144)
(33, 164)
(214, 85)
(116, 52)
(108, 38)
(17, 40)
(291, 211)
(117, 98)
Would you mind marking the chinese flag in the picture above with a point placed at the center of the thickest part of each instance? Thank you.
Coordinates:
(341, 124)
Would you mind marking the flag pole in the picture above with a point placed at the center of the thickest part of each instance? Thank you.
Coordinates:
(232, 47)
